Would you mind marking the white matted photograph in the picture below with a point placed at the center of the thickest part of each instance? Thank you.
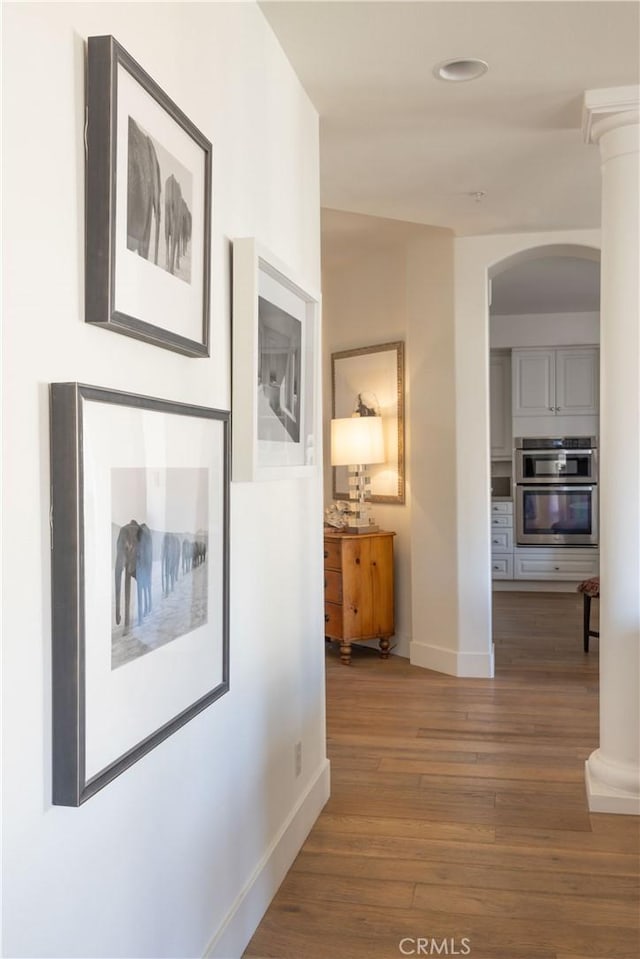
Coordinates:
(140, 577)
(149, 172)
(162, 548)
(275, 376)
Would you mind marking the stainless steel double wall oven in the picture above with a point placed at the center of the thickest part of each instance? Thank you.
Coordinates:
(556, 486)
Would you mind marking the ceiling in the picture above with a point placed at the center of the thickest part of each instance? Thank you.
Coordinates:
(396, 142)
(550, 284)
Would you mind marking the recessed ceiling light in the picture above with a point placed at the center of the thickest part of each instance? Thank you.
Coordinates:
(459, 70)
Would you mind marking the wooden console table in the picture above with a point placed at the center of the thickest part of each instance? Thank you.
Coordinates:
(358, 589)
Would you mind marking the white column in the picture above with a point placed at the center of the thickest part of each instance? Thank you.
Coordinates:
(612, 120)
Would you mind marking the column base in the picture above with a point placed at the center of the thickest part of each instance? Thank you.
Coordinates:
(612, 787)
(453, 661)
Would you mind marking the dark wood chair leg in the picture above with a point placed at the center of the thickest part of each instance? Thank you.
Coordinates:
(585, 620)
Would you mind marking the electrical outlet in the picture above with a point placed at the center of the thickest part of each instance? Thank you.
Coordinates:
(297, 751)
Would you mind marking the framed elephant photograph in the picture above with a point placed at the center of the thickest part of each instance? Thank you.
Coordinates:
(140, 577)
(275, 359)
(148, 208)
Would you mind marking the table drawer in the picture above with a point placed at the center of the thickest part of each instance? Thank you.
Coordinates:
(501, 540)
(332, 555)
(502, 567)
(333, 620)
(333, 586)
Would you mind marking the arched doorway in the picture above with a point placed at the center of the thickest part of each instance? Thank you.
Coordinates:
(544, 321)
(477, 261)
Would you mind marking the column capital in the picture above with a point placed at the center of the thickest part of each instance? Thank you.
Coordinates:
(615, 105)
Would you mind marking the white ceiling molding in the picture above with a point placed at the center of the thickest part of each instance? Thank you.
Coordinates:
(602, 104)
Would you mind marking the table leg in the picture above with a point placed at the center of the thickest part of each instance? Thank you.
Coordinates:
(345, 652)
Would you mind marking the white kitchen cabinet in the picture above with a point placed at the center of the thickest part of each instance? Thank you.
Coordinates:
(501, 539)
(551, 563)
(555, 382)
(577, 380)
(500, 400)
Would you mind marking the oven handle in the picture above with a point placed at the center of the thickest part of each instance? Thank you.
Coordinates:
(567, 450)
(563, 488)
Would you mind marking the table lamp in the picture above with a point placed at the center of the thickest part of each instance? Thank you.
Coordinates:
(358, 442)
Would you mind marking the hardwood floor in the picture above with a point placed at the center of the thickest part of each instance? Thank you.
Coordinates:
(458, 810)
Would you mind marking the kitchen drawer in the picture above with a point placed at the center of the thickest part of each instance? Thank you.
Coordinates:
(333, 620)
(502, 567)
(502, 507)
(501, 540)
(332, 586)
(504, 519)
(332, 555)
(574, 567)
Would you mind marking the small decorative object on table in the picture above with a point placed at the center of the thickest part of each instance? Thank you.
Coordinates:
(337, 515)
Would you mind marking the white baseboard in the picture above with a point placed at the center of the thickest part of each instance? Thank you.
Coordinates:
(401, 646)
(453, 662)
(230, 941)
(533, 586)
(612, 787)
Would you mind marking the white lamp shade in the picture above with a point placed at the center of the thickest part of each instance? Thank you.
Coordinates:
(357, 440)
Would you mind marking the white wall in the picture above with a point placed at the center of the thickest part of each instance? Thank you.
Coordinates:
(476, 258)
(544, 329)
(195, 836)
(383, 280)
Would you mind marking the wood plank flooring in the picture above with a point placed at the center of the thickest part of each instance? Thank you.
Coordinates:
(458, 811)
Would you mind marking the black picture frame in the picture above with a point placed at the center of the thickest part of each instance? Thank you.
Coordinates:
(177, 650)
(151, 169)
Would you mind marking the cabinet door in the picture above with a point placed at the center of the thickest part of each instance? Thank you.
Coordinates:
(500, 410)
(577, 382)
(382, 586)
(357, 594)
(533, 382)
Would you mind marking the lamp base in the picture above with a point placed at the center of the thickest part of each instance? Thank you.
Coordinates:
(362, 529)
(359, 519)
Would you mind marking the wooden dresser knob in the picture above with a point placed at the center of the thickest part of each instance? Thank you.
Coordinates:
(326, 554)
(326, 617)
(358, 561)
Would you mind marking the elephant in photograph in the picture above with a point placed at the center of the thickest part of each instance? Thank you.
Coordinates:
(187, 555)
(172, 222)
(177, 223)
(143, 192)
(199, 553)
(170, 562)
(134, 557)
(185, 229)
